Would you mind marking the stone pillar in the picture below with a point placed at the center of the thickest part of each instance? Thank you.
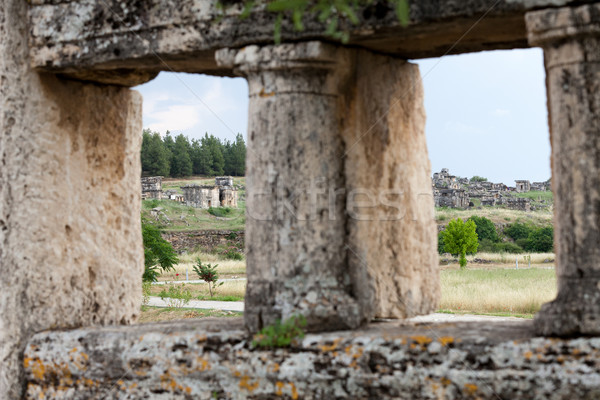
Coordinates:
(309, 135)
(392, 235)
(70, 239)
(570, 38)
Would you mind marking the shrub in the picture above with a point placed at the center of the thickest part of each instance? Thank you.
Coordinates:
(518, 231)
(441, 242)
(281, 334)
(485, 228)
(486, 245)
(508, 247)
(523, 243)
(158, 253)
(176, 296)
(542, 240)
(219, 211)
(208, 273)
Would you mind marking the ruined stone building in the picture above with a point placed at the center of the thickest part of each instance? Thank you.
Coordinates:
(453, 198)
(522, 186)
(453, 192)
(222, 194)
(152, 187)
(350, 114)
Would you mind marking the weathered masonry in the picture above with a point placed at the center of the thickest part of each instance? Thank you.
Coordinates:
(330, 126)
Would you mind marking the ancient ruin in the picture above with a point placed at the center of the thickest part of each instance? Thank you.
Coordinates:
(330, 125)
(152, 187)
(222, 194)
(454, 192)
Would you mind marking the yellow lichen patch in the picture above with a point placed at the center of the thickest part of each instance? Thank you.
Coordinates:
(445, 381)
(576, 352)
(73, 350)
(279, 385)
(274, 367)
(203, 364)
(201, 338)
(188, 390)
(38, 369)
(560, 359)
(422, 340)
(265, 94)
(470, 389)
(446, 340)
(330, 347)
(528, 355)
(245, 383)
(168, 383)
(294, 392)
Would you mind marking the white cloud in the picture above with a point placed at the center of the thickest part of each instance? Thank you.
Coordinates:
(501, 112)
(176, 117)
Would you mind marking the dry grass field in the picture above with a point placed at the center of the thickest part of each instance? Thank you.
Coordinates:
(497, 291)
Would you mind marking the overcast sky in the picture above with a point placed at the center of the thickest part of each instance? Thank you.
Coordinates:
(486, 112)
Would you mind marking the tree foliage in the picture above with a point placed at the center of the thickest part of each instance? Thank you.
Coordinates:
(460, 238)
(485, 228)
(158, 253)
(477, 178)
(178, 157)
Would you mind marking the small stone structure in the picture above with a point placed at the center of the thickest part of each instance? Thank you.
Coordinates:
(453, 198)
(340, 223)
(222, 194)
(152, 187)
(522, 186)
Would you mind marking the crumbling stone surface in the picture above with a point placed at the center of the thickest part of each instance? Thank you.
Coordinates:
(391, 244)
(127, 43)
(571, 41)
(70, 238)
(213, 358)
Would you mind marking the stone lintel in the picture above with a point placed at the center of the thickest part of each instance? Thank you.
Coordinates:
(214, 358)
(90, 40)
(549, 27)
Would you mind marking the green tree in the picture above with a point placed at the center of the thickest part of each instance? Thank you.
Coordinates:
(460, 238)
(181, 162)
(214, 146)
(158, 253)
(155, 156)
(201, 158)
(485, 228)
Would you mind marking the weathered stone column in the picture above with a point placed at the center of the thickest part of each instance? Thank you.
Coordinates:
(295, 220)
(70, 238)
(317, 117)
(570, 38)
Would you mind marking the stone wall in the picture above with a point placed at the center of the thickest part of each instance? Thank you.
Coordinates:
(213, 359)
(209, 240)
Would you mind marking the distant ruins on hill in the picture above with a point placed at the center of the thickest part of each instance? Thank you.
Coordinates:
(455, 192)
(222, 194)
